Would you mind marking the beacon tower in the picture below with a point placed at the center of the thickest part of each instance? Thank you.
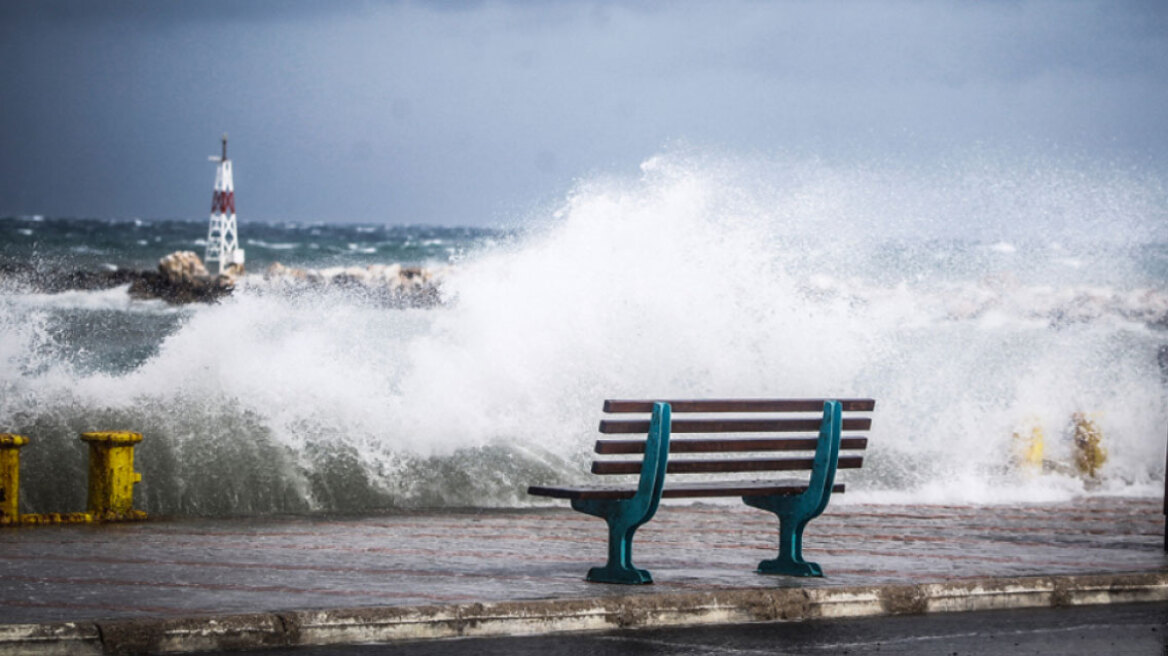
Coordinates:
(223, 237)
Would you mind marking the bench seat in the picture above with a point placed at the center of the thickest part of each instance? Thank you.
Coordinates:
(682, 490)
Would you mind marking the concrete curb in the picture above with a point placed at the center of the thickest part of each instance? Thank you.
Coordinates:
(388, 624)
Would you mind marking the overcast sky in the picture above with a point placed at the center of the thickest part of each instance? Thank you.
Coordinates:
(473, 112)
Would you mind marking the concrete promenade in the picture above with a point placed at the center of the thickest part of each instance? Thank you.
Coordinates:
(188, 585)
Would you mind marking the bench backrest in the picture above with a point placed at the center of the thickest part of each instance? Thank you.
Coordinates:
(745, 433)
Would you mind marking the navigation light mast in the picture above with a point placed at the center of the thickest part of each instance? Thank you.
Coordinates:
(223, 237)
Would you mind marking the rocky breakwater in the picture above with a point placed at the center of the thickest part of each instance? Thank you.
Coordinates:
(30, 277)
(388, 284)
(181, 278)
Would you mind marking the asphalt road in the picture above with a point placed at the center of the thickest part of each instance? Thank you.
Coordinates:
(1092, 630)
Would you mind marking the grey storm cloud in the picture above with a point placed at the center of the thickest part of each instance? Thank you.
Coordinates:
(469, 112)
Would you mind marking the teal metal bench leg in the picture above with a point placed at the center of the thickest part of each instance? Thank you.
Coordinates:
(791, 524)
(619, 568)
(795, 512)
(625, 516)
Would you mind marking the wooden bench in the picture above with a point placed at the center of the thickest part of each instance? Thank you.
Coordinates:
(757, 426)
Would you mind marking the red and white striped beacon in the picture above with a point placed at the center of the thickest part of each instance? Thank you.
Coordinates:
(223, 236)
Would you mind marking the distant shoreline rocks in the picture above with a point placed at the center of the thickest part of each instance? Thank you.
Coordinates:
(182, 278)
(391, 284)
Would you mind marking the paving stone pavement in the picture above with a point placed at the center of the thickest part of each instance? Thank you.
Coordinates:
(175, 568)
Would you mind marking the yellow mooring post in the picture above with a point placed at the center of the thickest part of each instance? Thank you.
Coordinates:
(1028, 446)
(112, 476)
(10, 477)
(1088, 442)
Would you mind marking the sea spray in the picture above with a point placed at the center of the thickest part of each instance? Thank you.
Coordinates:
(967, 301)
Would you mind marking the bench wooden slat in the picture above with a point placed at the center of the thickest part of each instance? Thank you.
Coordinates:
(633, 426)
(721, 445)
(680, 491)
(739, 405)
(722, 466)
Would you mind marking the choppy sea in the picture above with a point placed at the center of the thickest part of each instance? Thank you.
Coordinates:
(973, 303)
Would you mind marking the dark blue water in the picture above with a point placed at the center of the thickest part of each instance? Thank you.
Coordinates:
(138, 244)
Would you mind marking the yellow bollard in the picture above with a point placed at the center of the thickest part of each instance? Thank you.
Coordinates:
(10, 476)
(111, 475)
(1028, 446)
(1088, 440)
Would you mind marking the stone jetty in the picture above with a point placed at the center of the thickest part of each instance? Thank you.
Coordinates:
(182, 278)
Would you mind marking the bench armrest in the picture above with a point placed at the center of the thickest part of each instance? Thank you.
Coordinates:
(826, 459)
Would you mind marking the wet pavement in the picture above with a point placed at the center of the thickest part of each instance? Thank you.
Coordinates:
(181, 568)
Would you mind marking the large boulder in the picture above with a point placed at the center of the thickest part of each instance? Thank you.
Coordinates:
(183, 266)
(182, 278)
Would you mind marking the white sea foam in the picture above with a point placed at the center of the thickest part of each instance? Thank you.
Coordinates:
(115, 298)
